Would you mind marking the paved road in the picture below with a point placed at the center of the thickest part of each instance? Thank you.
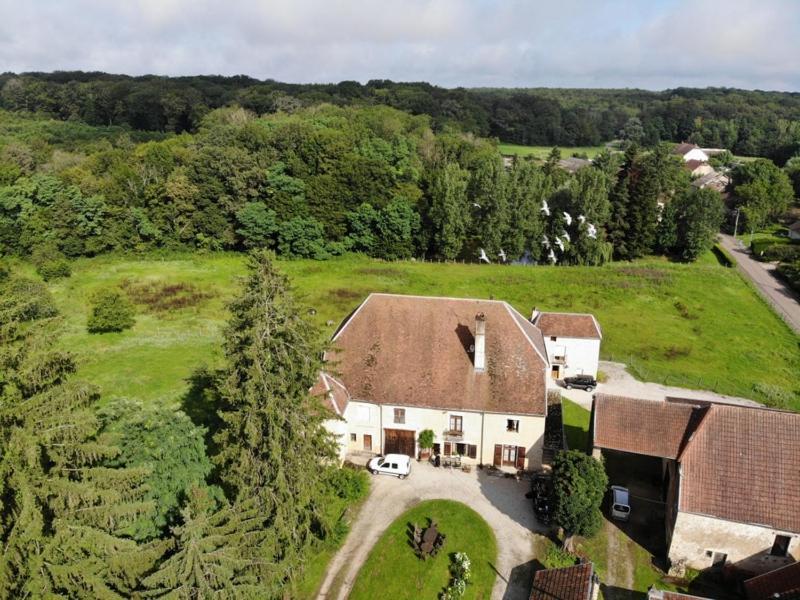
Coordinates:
(780, 297)
(500, 501)
(622, 383)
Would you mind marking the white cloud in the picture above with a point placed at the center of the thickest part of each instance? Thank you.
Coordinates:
(745, 43)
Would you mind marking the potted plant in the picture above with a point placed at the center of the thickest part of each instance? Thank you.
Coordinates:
(425, 443)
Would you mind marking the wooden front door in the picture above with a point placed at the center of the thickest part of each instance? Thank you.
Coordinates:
(367, 442)
(498, 455)
(398, 441)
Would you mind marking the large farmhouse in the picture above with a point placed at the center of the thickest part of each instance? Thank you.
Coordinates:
(475, 372)
(729, 474)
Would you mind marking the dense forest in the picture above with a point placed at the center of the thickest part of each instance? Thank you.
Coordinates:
(750, 123)
(326, 180)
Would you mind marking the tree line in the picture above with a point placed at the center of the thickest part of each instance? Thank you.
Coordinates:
(115, 500)
(752, 123)
(327, 180)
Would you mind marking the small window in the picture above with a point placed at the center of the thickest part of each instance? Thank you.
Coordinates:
(393, 466)
(781, 545)
(456, 423)
(399, 415)
(553, 338)
(461, 449)
(512, 425)
(353, 437)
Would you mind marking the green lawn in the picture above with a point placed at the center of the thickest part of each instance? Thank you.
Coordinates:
(393, 571)
(541, 152)
(694, 325)
(576, 424)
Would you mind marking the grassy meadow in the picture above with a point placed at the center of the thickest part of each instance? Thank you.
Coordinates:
(541, 152)
(695, 325)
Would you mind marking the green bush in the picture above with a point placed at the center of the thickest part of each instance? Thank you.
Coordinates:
(30, 299)
(111, 311)
(348, 483)
(557, 557)
(580, 483)
(781, 252)
(790, 272)
(55, 269)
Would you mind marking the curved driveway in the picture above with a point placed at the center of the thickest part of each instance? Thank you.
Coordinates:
(500, 501)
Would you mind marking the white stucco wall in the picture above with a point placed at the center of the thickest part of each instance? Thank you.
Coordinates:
(747, 546)
(339, 429)
(582, 355)
(479, 429)
(695, 154)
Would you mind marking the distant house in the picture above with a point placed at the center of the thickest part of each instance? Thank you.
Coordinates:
(690, 152)
(578, 582)
(475, 372)
(698, 168)
(780, 584)
(714, 181)
(573, 164)
(572, 341)
(730, 476)
(794, 231)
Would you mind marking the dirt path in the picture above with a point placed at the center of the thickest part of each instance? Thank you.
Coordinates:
(777, 294)
(501, 502)
(619, 579)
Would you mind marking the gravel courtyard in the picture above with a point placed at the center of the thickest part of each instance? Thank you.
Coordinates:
(500, 501)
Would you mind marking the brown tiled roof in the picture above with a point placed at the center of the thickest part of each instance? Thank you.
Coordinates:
(743, 464)
(691, 165)
(416, 351)
(783, 583)
(569, 583)
(650, 427)
(574, 325)
(333, 393)
(684, 148)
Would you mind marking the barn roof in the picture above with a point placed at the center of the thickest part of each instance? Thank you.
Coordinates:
(649, 427)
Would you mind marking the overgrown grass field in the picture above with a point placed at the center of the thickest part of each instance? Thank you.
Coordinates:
(392, 570)
(541, 152)
(695, 325)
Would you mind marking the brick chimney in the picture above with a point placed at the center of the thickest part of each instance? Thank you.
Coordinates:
(480, 343)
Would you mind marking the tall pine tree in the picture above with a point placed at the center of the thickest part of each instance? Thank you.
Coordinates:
(272, 441)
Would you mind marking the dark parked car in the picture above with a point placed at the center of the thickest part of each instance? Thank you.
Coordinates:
(582, 382)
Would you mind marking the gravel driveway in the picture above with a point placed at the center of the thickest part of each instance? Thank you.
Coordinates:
(622, 383)
(500, 501)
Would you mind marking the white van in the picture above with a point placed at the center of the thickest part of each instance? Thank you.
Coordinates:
(620, 507)
(398, 465)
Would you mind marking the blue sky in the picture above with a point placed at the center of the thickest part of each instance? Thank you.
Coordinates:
(510, 43)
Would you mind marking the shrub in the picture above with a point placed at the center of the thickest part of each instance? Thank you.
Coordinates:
(781, 252)
(348, 483)
(580, 483)
(790, 272)
(50, 262)
(111, 311)
(426, 439)
(55, 269)
(557, 557)
(460, 573)
(30, 299)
